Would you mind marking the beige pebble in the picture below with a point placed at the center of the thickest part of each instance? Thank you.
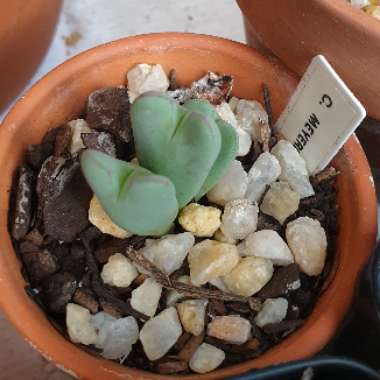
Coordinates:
(192, 315)
(230, 328)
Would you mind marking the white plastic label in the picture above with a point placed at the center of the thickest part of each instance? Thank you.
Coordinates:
(321, 115)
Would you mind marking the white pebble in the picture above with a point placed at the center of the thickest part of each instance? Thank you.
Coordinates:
(146, 297)
(172, 296)
(232, 186)
(206, 358)
(293, 168)
(245, 142)
(269, 245)
(115, 336)
(77, 127)
(230, 328)
(249, 276)
(98, 217)
(119, 271)
(169, 252)
(192, 315)
(143, 78)
(160, 333)
(280, 201)
(265, 170)
(239, 219)
(79, 327)
(308, 242)
(225, 113)
(202, 221)
(210, 259)
(273, 311)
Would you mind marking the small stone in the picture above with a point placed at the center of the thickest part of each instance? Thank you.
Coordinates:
(115, 336)
(146, 297)
(280, 201)
(22, 212)
(230, 328)
(284, 281)
(239, 219)
(169, 252)
(265, 170)
(269, 245)
(251, 117)
(232, 186)
(108, 110)
(206, 358)
(249, 276)
(308, 242)
(202, 221)
(218, 283)
(101, 141)
(84, 297)
(99, 218)
(40, 264)
(220, 236)
(62, 141)
(58, 291)
(293, 168)
(173, 296)
(143, 78)
(171, 365)
(160, 333)
(190, 346)
(225, 113)
(119, 271)
(210, 259)
(360, 3)
(35, 237)
(245, 142)
(192, 315)
(79, 327)
(274, 311)
(77, 127)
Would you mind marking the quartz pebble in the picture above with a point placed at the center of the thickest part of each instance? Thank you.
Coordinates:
(173, 296)
(232, 186)
(280, 201)
(202, 221)
(146, 297)
(239, 219)
(265, 170)
(143, 78)
(206, 358)
(192, 315)
(79, 327)
(230, 328)
(220, 236)
(103, 222)
(308, 242)
(119, 271)
(169, 252)
(209, 259)
(160, 333)
(249, 276)
(77, 127)
(273, 311)
(225, 113)
(293, 168)
(115, 336)
(269, 245)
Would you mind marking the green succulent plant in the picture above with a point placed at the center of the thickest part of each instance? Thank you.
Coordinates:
(183, 151)
(135, 199)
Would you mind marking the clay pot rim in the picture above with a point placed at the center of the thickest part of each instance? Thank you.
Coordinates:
(157, 42)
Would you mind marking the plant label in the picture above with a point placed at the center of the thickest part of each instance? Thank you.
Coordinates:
(321, 115)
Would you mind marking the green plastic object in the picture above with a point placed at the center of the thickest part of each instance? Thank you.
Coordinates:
(189, 144)
(135, 199)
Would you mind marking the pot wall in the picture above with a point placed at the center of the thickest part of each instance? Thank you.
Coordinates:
(61, 95)
(26, 28)
(297, 30)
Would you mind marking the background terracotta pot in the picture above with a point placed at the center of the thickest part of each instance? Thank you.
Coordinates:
(61, 96)
(26, 28)
(297, 30)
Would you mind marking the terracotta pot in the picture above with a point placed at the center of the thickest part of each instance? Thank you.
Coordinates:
(61, 96)
(297, 30)
(26, 28)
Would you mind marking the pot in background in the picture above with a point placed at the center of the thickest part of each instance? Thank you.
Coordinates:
(26, 28)
(297, 30)
(61, 95)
